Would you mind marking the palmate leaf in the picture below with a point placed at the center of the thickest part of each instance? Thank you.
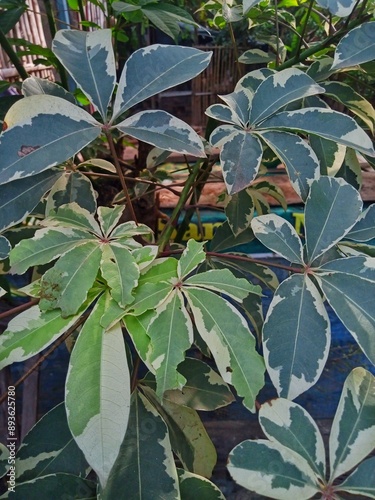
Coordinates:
(73, 215)
(330, 154)
(239, 102)
(350, 169)
(145, 454)
(43, 131)
(35, 86)
(353, 430)
(224, 114)
(89, 58)
(332, 208)
(239, 210)
(191, 257)
(340, 8)
(156, 68)
(362, 480)
(137, 328)
(171, 334)
(193, 486)
(49, 448)
(278, 235)
(272, 470)
(19, 198)
(69, 188)
(253, 79)
(100, 413)
(356, 47)
(289, 424)
(109, 217)
(163, 130)
(224, 238)
(297, 363)
(230, 341)
(324, 122)
(5, 247)
(167, 17)
(364, 229)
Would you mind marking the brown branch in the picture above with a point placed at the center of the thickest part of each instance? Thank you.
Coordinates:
(18, 309)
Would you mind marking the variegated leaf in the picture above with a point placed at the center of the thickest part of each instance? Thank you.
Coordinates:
(272, 470)
(360, 266)
(145, 256)
(362, 480)
(88, 56)
(297, 363)
(249, 4)
(43, 131)
(193, 486)
(240, 102)
(324, 122)
(320, 70)
(253, 79)
(240, 159)
(280, 89)
(356, 47)
(30, 332)
(19, 198)
(364, 229)
(192, 256)
(330, 154)
(130, 229)
(222, 134)
(109, 217)
(100, 413)
(171, 334)
(353, 429)
(73, 215)
(340, 8)
(46, 245)
(204, 390)
(137, 327)
(120, 271)
(332, 208)
(239, 209)
(224, 238)
(223, 114)
(278, 235)
(163, 67)
(49, 448)
(71, 187)
(298, 157)
(35, 86)
(163, 130)
(351, 170)
(224, 281)
(353, 300)
(145, 463)
(5, 247)
(289, 424)
(256, 56)
(230, 341)
(68, 282)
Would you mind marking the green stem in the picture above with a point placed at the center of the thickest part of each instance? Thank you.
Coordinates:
(277, 35)
(304, 28)
(8, 49)
(82, 15)
(235, 50)
(169, 227)
(50, 18)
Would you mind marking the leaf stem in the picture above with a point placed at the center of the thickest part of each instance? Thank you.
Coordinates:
(18, 309)
(304, 28)
(228, 256)
(8, 49)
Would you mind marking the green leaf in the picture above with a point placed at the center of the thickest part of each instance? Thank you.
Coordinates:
(240, 159)
(324, 122)
(272, 470)
(224, 238)
(100, 413)
(332, 208)
(171, 334)
(231, 343)
(289, 424)
(224, 281)
(261, 272)
(192, 256)
(73, 215)
(5, 247)
(44, 131)
(46, 245)
(130, 229)
(204, 390)
(356, 47)
(193, 486)
(297, 363)
(167, 66)
(67, 283)
(163, 130)
(239, 209)
(137, 327)
(71, 187)
(35, 86)
(300, 161)
(11, 14)
(278, 235)
(351, 170)
(120, 271)
(19, 198)
(340, 8)
(88, 56)
(330, 154)
(145, 455)
(364, 229)
(353, 429)
(49, 448)
(167, 17)
(256, 56)
(30, 332)
(362, 480)
(109, 217)
(280, 89)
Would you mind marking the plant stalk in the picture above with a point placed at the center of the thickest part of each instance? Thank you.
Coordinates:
(8, 49)
(304, 28)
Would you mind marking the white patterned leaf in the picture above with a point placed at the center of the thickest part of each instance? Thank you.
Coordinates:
(256, 56)
(164, 131)
(35, 86)
(43, 131)
(71, 187)
(362, 480)
(272, 470)
(191, 257)
(137, 327)
(73, 215)
(326, 123)
(5, 247)
(364, 229)
(99, 414)
(278, 235)
(330, 154)
(239, 210)
(240, 102)
(289, 424)
(230, 341)
(280, 89)
(297, 363)
(193, 486)
(356, 47)
(340, 8)
(240, 159)
(298, 157)
(156, 68)
(332, 208)
(353, 429)
(253, 79)
(223, 114)
(88, 56)
(223, 133)
(109, 217)
(360, 266)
